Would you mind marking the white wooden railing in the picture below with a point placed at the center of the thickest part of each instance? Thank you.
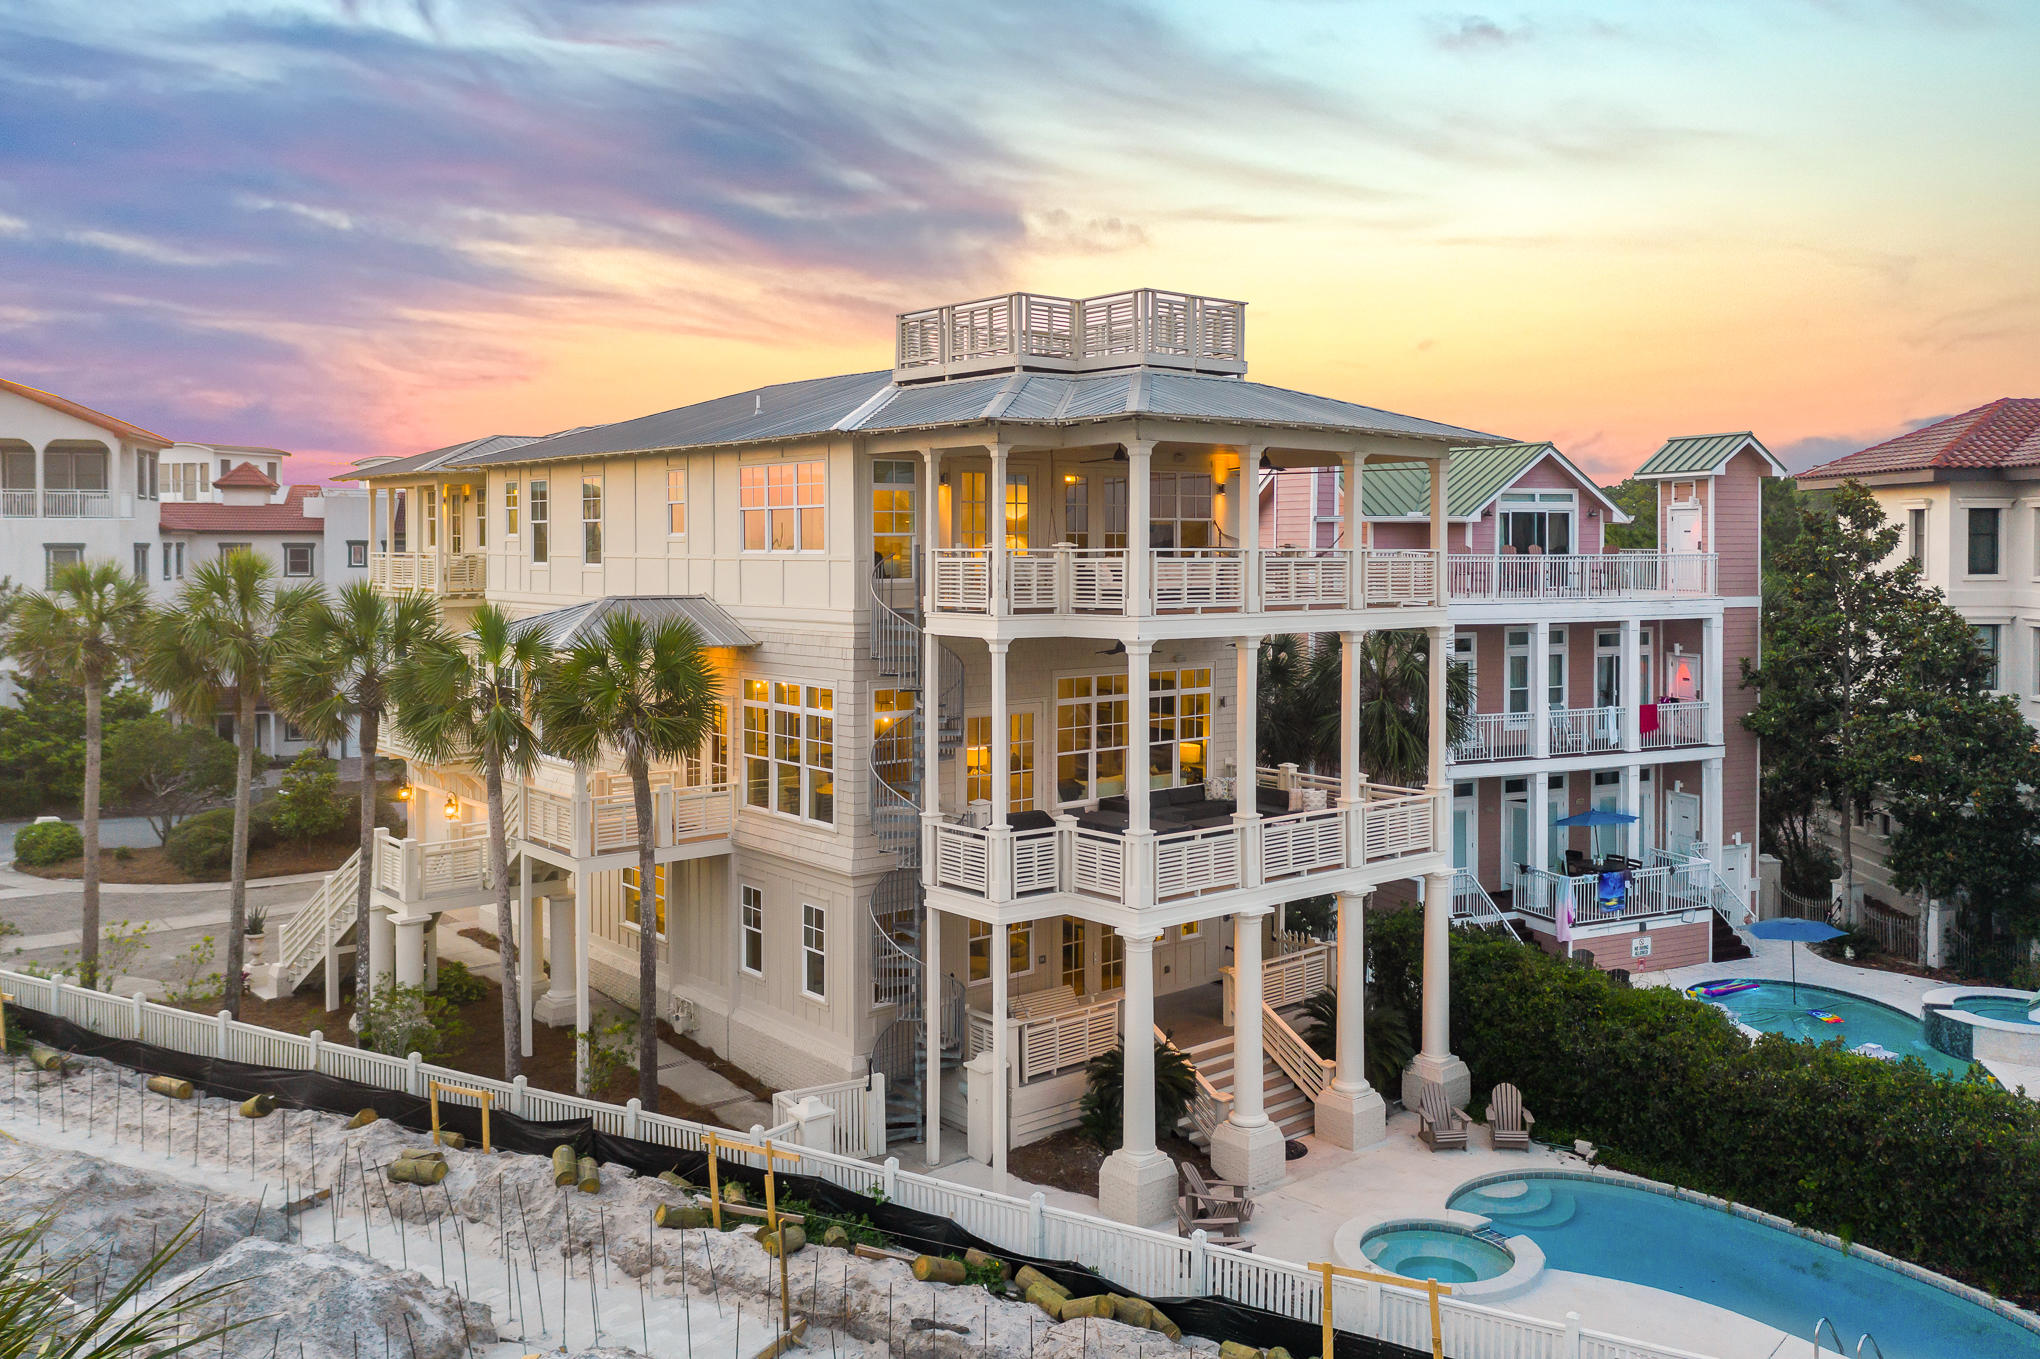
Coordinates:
(1053, 1041)
(1070, 334)
(1581, 731)
(83, 505)
(1477, 577)
(606, 823)
(17, 504)
(447, 573)
(859, 1108)
(1403, 578)
(1286, 979)
(1070, 580)
(1298, 578)
(1297, 1059)
(1141, 1261)
(1495, 736)
(1679, 724)
(1649, 892)
(1198, 580)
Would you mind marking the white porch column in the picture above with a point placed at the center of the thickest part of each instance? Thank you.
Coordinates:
(1248, 1149)
(1350, 526)
(382, 944)
(583, 1020)
(1710, 808)
(1002, 1055)
(1248, 513)
(1435, 1063)
(1138, 655)
(1349, 709)
(1001, 739)
(1629, 690)
(1540, 818)
(527, 953)
(1632, 833)
(1540, 688)
(1441, 524)
(1139, 501)
(930, 715)
(1712, 676)
(931, 1007)
(1441, 714)
(996, 557)
(1350, 1112)
(1137, 1183)
(1246, 724)
(410, 959)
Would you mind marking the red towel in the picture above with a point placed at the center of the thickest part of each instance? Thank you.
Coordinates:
(1646, 718)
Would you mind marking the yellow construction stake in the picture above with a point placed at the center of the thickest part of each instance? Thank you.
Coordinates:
(432, 1089)
(1328, 1271)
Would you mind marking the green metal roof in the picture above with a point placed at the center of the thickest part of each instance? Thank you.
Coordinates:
(1474, 477)
(1695, 454)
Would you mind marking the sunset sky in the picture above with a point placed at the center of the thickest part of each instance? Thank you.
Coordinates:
(357, 228)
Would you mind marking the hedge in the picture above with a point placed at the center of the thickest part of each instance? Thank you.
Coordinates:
(47, 842)
(204, 843)
(1941, 1171)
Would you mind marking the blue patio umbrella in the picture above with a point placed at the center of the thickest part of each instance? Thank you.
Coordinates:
(1599, 816)
(1798, 932)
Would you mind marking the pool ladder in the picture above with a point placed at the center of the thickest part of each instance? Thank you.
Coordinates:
(1867, 1339)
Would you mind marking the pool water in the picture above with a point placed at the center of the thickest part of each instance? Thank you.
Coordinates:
(2005, 1009)
(1773, 1007)
(1439, 1252)
(1620, 1231)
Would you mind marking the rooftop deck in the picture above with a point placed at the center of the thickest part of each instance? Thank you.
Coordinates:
(1145, 327)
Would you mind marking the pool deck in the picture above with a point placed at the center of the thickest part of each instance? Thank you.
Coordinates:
(1773, 961)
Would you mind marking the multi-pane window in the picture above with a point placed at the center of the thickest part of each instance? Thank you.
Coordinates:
(400, 505)
(781, 504)
(74, 469)
(456, 521)
(676, 500)
(977, 757)
(1536, 521)
(1111, 960)
(892, 518)
(790, 749)
(297, 559)
(1983, 542)
(591, 520)
(1988, 641)
(166, 560)
(1179, 510)
(894, 747)
(1019, 950)
(633, 910)
(57, 555)
(1072, 973)
(1017, 500)
(1190, 929)
(814, 951)
(141, 561)
(541, 511)
(1916, 536)
(431, 516)
(1090, 738)
(180, 561)
(1179, 727)
(510, 508)
(972, 516)
(1076, 510)
(710, 765)
(481, 516)
(751, 926)
(145, 476)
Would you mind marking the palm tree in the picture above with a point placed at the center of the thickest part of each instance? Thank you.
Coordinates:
(340, 674)
(1301, 714)
(470, 698)
(215, 647)
(1389, 1045)
(648, 693)
(86, 628)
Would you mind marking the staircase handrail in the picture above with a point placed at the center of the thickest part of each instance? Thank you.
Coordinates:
(1296, 1058)
(895, 636)
(307, 933)
(1209, 1105)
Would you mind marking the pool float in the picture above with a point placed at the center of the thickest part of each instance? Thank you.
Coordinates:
(1710, 990)
(1877, 1050)
(1826, 1016)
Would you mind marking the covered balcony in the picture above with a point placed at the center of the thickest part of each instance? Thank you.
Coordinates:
(1066, 580)
(1581, 731)
(430, 536)
(1530, 577)
(439, 573)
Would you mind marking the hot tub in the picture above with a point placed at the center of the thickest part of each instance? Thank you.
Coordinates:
(1982, 1023)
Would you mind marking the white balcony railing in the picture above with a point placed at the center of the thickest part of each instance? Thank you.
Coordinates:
(607, 823)
(1495, 736)
(1286, 979)
(1575, 731)
(1672, 889)
(1387, 824)
(1476, 577)
(1082, 581)
(80, 505)
(1060, 1040)
(17, 504)
(1581, 731)
(456, 573)
(1067, 334)
(1678, 724)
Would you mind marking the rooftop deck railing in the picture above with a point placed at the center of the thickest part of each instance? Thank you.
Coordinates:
(1068, 334)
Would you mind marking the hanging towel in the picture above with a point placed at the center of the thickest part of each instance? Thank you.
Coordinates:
(1646, 718)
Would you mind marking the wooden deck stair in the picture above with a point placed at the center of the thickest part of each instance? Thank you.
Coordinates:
(1289, 1107)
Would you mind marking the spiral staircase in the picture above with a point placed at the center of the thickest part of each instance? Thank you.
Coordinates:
(899, 968)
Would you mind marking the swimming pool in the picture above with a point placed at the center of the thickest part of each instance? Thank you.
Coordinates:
(1628, 1231)
(1773, 1007)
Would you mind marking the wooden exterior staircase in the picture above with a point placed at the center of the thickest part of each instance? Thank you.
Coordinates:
(1288, 1106)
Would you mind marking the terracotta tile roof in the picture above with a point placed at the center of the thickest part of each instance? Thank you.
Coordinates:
(246, 474)
(2003, 433)
(204, 517)
(132, 433)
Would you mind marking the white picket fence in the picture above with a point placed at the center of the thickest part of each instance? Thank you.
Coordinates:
(1149, 1263)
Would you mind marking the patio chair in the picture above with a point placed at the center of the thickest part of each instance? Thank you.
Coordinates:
(1218, 1229)
(1442, 1127)
(1219, 1197)
(1508, 1121)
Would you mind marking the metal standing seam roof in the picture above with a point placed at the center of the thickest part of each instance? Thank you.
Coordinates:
(452, 455)
(869, 402)
(1475, 475)
(564, 627)
(1699, 454)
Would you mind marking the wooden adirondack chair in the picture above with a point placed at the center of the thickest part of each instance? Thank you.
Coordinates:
(1441, 1126)
(1219, 1196)
(1508, 1121)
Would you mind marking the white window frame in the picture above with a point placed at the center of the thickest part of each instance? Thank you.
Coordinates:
(814, 951)
(1542, 503)
(633, 898)
(797, 490)
(910, 487)
(510, 508)
(1136, 766)
(1994, 634)
(591, 528)
(676, 501)
(813, 706)
(750, 929)
(540, 518)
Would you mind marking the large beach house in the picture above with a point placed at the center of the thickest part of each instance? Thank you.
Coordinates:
(987, 797)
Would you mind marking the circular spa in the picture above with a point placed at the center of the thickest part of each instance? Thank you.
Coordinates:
(1978, 1023)
(1460, 1249)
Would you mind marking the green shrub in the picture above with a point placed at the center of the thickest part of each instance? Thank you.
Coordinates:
(204, 843)
(1102, 1110)
(308, 807)
(47, 842)
(459, 986)
(610, 1053)
(1941, 1171)
(400, 1020)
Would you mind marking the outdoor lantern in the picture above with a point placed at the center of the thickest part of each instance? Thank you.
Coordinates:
(452, 808)
(403, 793)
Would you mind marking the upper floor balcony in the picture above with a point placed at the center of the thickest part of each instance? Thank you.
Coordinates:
(1580, 731)
(1150, 327)
(1489, 578)
(1070, 581)
(448, 574)
(21, 504)
(1197, 847)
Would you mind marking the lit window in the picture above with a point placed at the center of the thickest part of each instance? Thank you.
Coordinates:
(782, 506)
(1019, 950)
(1092, 739)
(892, 518)
(591, 520)
(510, 509)
(752, 910)
(790, 749)
(431, 516)
(1190, 929)
(1111, 961)
(1072, 972)
(814, 948)
(541, 509)
(676, 500)
(632, 892)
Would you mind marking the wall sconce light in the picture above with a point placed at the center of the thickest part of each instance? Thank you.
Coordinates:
(403, 793)
(1069, 478)
(1593, 514)
(452, 808)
